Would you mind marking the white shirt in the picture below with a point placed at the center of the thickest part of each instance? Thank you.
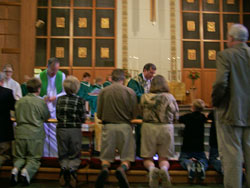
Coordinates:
(14, 86)
(147, 85)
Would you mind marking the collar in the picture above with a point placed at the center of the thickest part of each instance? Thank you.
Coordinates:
(145, 78)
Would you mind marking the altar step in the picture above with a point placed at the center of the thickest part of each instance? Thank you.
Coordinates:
(134, 176)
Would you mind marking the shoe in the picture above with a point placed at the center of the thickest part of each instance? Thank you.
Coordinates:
(73, 179)
(191, 170)
(122, 178)
(14, 177)
(25, 178)
(165, 178)
(62, 180)
(154, 178)
(200, 171)
(101, 178)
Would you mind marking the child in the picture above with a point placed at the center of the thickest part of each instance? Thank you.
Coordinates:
(70, 113)
(159, 109)
(192, 155)
(31, 112)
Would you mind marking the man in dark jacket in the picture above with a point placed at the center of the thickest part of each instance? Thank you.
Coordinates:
(7, 102)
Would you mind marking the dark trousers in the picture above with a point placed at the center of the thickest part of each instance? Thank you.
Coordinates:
(199, 156)
(69, 141)
(213, 159)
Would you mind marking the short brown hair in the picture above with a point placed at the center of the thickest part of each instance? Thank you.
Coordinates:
(8, 65)
(118, 75)
(198, 105)
(33, 85)
(71, 85)
(86, 74)
(149, 66)
(159, 85)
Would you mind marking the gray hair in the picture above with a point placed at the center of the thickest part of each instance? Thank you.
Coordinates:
(239, 32)
(71, 85)
(118, 75)
(2, 76)
(53, 60)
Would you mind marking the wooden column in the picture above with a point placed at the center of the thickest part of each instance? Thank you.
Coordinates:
(27, 38)
(124, 34)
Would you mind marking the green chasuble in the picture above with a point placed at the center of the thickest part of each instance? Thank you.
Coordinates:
(24, 89)
(44, 79)
(137, 84)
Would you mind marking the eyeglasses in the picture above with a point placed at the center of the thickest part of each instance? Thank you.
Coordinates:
(7, 71)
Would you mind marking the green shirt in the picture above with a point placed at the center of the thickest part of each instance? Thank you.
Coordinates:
(31, 112)
(137, 84)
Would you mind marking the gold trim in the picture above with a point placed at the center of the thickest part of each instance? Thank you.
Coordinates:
(190, 1)
(60, 22)
(211, 27)
(82, 22)
(212, 55)
(59, 52)
(105, 23)
(191, 54)
(82, 52)
(104, 52)
(190, 25)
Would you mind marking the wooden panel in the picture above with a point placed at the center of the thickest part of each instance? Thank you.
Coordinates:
(103, 73)
(3, 12)
(27, 40)
(190, 4)
(12, 41)
(79, 73)
(13, 12)
(208, 78)
(188, 83)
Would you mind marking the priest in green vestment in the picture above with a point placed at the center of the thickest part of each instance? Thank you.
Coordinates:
(52, 80)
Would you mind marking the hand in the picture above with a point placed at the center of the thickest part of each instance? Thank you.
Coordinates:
(51, 99)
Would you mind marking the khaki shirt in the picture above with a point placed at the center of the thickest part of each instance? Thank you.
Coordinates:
(31, 112)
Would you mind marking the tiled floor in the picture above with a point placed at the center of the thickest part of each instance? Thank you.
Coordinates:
(4, 183)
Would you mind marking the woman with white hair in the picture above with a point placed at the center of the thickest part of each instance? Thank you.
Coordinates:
(70, 113)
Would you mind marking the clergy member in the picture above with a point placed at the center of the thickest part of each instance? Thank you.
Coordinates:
(52, 88)
(10, 83)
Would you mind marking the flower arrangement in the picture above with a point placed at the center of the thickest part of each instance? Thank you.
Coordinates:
(193, 75)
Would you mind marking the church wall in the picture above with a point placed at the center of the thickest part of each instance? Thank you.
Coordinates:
(148, 42)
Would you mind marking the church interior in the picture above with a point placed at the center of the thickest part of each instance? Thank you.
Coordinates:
(180, 37)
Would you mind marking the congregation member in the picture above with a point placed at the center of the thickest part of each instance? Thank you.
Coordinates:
(117, 105)
(141, 84)
(85, 92)
(70, 113)
(7, 102)
(230, 96)
(52, 88)
(159, 109)
(10, 83)
(192, 156)
(213, 145)
(31, 112)
(108, 81)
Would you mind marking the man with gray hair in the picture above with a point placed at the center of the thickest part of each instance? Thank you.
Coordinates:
(7, 102)
(230, 96)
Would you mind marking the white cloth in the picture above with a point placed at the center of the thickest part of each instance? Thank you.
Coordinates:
(14, 86)
(50, 144)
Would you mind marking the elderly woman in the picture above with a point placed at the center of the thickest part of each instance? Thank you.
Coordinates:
(70, 113)
(159, 108)
(10, 83)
